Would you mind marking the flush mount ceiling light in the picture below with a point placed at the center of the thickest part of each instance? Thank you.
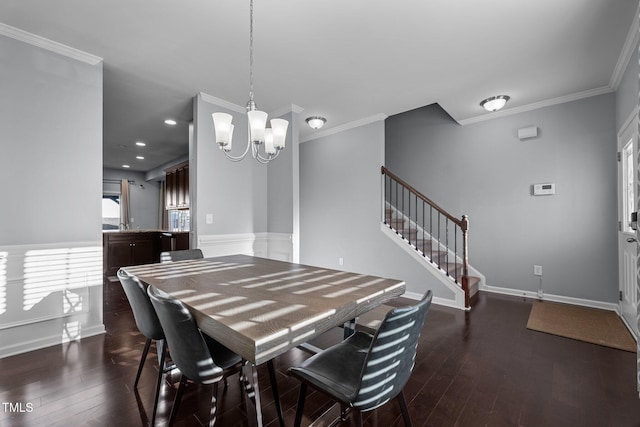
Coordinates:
(494, 103)
(170, 122)
(316, 122)
(272, 138)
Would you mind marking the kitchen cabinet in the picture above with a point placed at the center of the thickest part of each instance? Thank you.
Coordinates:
(126, 248)
(177, 188)
(171, 241)
(133, 248)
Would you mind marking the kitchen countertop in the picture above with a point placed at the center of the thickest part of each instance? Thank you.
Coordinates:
(143, 231)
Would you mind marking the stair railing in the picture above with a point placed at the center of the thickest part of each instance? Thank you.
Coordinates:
(436, 234)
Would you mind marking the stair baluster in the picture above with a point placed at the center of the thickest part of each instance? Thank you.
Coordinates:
(398, 216)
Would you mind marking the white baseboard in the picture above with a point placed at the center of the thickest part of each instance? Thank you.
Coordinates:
(553, 298)
(43, 342)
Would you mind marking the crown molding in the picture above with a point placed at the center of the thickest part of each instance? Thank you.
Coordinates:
(222, 103)
(50, 45)
(293, 108)
(546, 103)
(346, 126)
(630, 45)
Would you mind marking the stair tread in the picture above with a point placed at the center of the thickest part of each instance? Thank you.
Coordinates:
(425, 245)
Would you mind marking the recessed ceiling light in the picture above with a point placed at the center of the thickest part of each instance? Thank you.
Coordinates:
(126, 166)
(140, 157)
(140, 144)
(170, 122)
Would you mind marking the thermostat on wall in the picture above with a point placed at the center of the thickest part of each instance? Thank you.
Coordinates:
(544, 189)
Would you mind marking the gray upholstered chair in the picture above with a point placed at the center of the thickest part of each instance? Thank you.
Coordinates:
(181, 255)
(365, 371)
(198, 357)
(149, 325)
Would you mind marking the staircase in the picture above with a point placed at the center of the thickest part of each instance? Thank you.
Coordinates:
(437, 236)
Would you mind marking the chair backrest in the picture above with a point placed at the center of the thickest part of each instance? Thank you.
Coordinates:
(181, 255)
(143, 312)
(391, 356)
(189, 350)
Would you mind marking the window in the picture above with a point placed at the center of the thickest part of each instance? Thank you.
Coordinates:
(628, 193)
(179, 220)
(110, 212)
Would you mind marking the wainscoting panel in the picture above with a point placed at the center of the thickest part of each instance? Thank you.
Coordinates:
(49, 293)
(277, 246)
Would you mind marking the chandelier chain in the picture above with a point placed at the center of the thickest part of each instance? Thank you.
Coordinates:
(251, 52)
(272, 138)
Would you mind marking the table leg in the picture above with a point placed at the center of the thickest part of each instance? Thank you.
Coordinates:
(276, 394)
(252, 388)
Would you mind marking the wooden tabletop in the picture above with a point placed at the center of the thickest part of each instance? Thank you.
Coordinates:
(260, 307)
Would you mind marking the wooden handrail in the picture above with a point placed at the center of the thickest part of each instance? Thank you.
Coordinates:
(463, 224)
(421, 196)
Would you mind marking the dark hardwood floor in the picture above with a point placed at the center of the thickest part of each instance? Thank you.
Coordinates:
(472, 369)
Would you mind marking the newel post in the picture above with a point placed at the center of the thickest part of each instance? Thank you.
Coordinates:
(464, 226)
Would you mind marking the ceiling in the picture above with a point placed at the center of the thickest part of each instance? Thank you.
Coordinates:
(344, 60)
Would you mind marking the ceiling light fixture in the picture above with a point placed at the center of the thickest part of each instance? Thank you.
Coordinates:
(141, 144)
(140, 157)
(126, 166)
(272, 138)
(170, 122)
(316, 122)
(495, 102)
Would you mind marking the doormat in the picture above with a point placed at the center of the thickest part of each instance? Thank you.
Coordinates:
(591, 325)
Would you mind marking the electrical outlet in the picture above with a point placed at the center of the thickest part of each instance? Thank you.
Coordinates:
(340, 261)
(209, 218)
(537, 270)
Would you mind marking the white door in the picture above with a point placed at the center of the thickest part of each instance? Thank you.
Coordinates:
(627, 241)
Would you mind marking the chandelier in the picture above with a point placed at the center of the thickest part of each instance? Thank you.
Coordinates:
(273, 138)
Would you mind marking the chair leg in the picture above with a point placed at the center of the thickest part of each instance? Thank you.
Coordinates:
(214, 406)
(176, 402)
(161, 346)
(147, 344)
(299, 409)
(404, 409)
(276, 394)
(344, 411)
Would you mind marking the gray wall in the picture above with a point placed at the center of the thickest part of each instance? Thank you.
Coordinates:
(483, 170)
(280, 185)
(51, 170)
(51, 156)
(144, 197)
(340, 209)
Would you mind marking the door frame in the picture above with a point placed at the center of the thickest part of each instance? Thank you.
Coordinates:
(628, 129)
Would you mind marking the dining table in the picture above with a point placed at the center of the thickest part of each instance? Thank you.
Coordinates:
(261, 308)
